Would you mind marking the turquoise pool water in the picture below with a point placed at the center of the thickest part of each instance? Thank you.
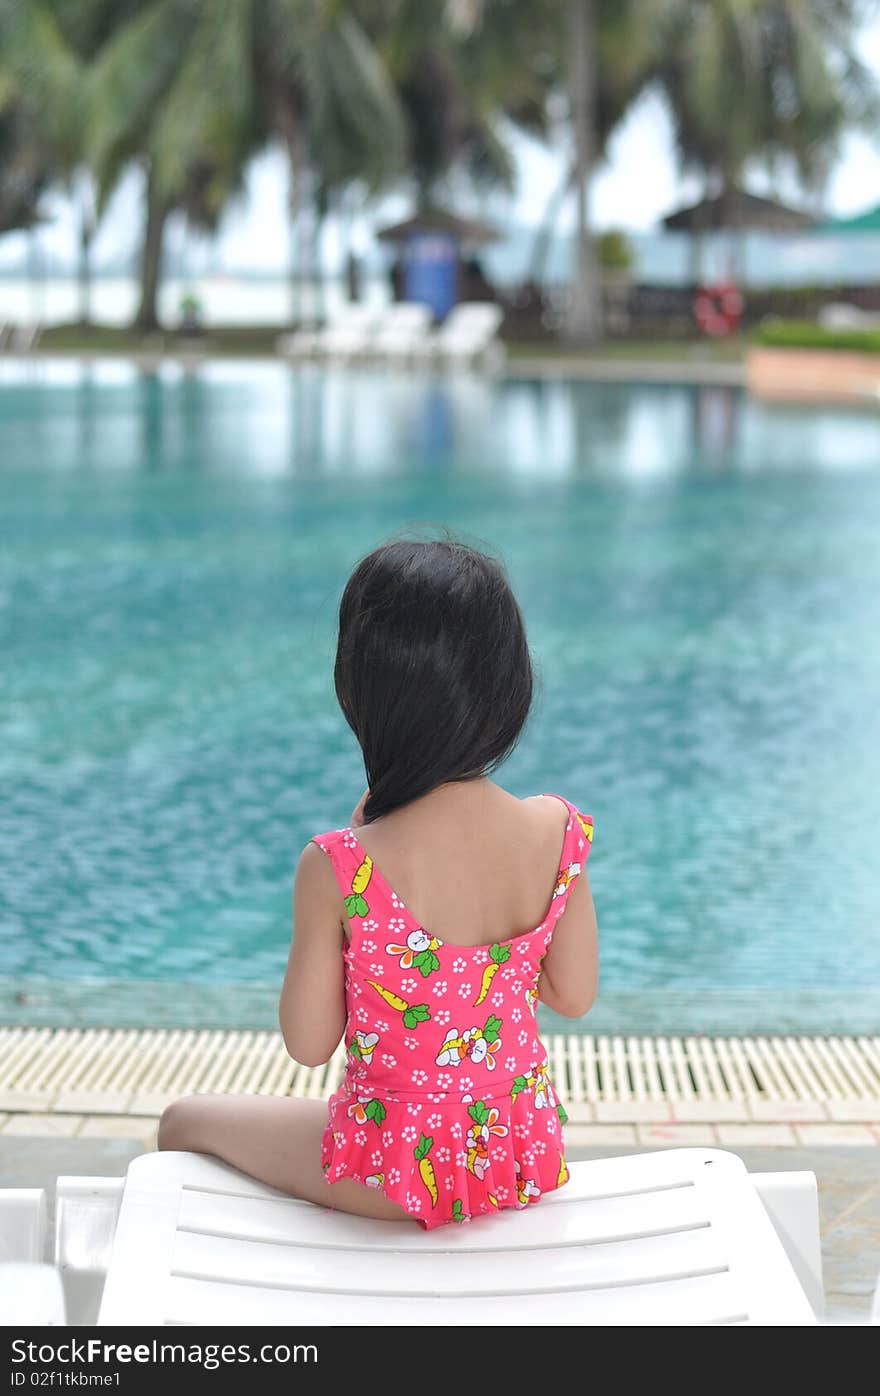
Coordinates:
(701, 579)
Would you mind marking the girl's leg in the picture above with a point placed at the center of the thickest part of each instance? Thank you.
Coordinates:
(271, 1138)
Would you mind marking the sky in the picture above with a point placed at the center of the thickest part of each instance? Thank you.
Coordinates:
(636, 185)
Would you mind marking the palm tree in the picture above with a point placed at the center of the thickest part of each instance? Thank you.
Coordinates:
(167, 95)
(47, 48)
(192, 91)
(584, 320)
(614, 50)
(39, 111)
(462, 69)
(84, 26)
(24, 171)
(329, 97)
(763, 80)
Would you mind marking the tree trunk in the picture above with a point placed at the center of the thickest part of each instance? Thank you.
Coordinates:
(319, 305)
(147, 317)
(84, 268)
(583, 323)
(547, 227)
(294, 139)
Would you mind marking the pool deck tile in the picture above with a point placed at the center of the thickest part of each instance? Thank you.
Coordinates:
(676, 1136)
(855, 1110)
(787, 1111)
(596, 1136)
(709, 1111)
(579, 1112)
(43, 1125)
(735, 1134)
(137, 1127)
(90, 1103)
(26, 1100)
(632, 1111)
(835, 1134)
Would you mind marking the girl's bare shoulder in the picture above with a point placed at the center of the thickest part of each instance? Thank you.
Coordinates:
(549, 808)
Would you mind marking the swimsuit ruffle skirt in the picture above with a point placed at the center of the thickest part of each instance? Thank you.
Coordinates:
(446, 1104)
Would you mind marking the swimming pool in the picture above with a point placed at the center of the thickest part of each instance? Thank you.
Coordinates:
(701, 580)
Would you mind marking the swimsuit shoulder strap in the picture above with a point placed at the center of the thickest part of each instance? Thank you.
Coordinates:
(576, 845)
(351, 864)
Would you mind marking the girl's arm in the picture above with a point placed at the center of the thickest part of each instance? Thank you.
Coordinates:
(312, 1007)
(570, 973)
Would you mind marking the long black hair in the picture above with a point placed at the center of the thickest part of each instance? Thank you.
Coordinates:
(433, 671)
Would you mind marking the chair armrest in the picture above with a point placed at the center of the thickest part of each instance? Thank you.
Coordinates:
(22, 1223)
(86, 1210)
(792, 1203)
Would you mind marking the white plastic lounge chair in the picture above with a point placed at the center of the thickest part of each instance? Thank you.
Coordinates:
(402, 331)
(25, 338)
(682, 1236)
(299, 343)
(469, 333)
(345, 335)
(839, 315)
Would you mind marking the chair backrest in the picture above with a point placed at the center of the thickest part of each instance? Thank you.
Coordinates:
(352, 316)
(25, 337)
(476, 313)
(839, 315)
(406, 315)
(475, 322)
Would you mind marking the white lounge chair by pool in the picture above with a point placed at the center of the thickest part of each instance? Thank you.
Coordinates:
(301, 343)
(682, 1236)
(403, 329)
(469, 333)
(21, 339)
(345, 336)
(840, 315)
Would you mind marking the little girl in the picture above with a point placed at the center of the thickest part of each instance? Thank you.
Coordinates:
(427, 930)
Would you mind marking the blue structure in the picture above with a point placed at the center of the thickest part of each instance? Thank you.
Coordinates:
(430, 271)
(431, 248)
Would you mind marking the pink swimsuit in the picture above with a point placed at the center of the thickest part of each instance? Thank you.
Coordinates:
(446, 1104)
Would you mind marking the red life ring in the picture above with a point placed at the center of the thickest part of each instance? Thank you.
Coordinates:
(718, 309)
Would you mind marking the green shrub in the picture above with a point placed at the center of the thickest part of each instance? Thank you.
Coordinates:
(807, 334)
(615, 251)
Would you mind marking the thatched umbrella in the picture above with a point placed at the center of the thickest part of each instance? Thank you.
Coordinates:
(736, 211)
(469, 232)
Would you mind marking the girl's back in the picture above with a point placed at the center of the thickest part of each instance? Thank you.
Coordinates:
(475, 864)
